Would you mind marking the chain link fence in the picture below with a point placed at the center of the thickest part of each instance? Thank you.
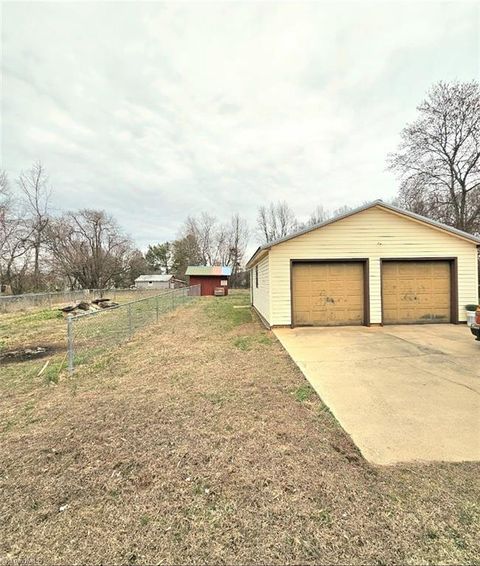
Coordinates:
(94, 333)
(15, 303)
(125, 295)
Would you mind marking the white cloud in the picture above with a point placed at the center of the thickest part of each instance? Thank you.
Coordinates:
(159, 110)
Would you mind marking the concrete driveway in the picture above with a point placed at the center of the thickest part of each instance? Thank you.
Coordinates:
(403, 393)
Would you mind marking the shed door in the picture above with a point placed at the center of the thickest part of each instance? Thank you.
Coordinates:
(328, 294)
(416, 292)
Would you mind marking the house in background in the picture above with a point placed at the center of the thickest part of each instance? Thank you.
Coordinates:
(212, 280)
(158, 282)
(377, 264)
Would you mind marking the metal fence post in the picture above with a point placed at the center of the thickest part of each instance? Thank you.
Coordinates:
(70, 350)
(130, 330)
(173, 299)
(156, 306)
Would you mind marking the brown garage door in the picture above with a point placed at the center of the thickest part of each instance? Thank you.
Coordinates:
(328, 294)
(416, 292)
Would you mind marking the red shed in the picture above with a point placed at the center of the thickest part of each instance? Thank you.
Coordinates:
(211, 279)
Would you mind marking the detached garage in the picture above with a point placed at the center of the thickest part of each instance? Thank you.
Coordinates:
(377, 264)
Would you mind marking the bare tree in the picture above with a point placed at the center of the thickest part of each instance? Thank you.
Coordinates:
(5, 193)
(203, 229)
(438, 160)
(212, 243)
(232, 240)
(33, 184)
(341, 210)
(14, 237)
(238, 241)
(275, 221)
(319, 214)
(89, 248)
(135, 265)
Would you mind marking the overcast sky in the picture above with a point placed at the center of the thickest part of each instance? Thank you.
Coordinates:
(154, 110)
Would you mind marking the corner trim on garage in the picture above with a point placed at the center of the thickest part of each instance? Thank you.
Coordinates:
(261, 317)
(366, 282)
(453, 279)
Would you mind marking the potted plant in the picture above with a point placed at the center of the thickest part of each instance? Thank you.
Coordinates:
(471, 310)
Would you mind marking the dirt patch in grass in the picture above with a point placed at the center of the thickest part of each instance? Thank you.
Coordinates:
(182, 447)
(26, 354)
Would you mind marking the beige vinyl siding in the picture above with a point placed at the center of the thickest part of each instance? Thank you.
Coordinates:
(261, 294)
(374, 233)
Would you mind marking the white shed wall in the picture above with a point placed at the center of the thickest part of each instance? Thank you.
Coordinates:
(154, 285)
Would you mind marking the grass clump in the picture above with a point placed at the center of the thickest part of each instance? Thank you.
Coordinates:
(243, 343)
(324, 516)
(144, 520)
(431, 534)
(47, 314)
(215, 398)
(52, 373)
(304, 392)
(246, 343)
(265, 340)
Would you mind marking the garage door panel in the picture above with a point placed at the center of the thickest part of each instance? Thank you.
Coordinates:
(328, 294)
(319, 287)
(355, 290)
(441, 269)
(303, 317)
(441, 286)
(345, 317)
(416, 292)
(406, 270)
(318, 303)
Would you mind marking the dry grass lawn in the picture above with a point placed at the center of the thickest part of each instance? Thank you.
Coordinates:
(200, 442)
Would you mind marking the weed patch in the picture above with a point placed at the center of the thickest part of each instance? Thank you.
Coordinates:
(243, 342)
(304, 392)
(218, 399)
(431, 534)
(248, 342)
(52, 373)
(265, 340)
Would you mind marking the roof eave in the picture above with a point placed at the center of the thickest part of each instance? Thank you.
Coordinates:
(257, 256)
(389, 207)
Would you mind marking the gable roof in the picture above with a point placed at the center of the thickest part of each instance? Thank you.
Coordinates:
(207, 270)
(156, 277)
(376, 203)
